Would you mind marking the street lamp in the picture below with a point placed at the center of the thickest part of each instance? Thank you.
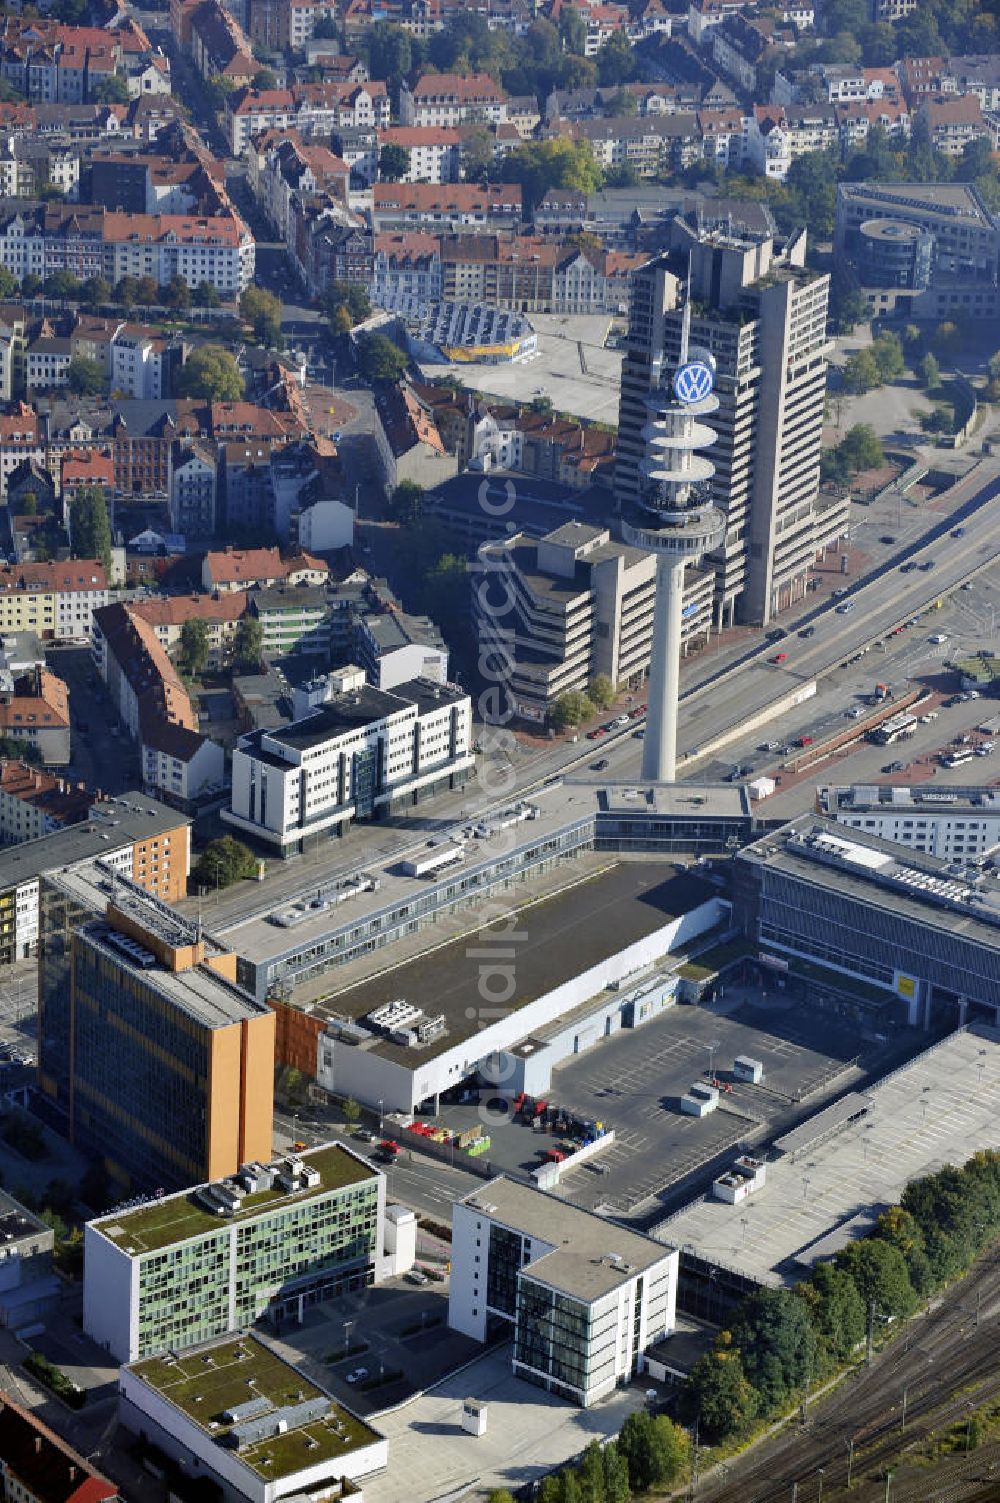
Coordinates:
(819, 1494)
(713, 1045)
(380, 1116)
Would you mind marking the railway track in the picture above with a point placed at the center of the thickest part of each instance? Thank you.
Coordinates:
(943, 1366)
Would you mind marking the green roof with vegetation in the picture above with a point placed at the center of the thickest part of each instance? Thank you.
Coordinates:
(175, 1218)
(708, 963)
(206, 1381)
(982, 669)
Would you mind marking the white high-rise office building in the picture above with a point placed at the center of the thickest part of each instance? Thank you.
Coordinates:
(761, 314)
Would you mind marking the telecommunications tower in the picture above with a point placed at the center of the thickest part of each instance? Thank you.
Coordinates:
(674, 519)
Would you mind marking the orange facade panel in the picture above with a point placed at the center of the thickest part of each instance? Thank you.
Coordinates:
(257, 1089)
(297, 1037)
(223, 1127)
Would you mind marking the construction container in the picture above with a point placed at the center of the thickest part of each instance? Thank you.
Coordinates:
(751, 1071)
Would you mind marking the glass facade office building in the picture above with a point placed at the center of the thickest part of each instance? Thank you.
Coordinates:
(173, 1273)
(583, 1300)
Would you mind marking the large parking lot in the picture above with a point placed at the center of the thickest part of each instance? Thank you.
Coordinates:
(633, 1083)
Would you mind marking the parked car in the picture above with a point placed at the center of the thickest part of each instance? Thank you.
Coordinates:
(780, 657)
(887, 537)
(599, 766)
(358, 1375)
(807, 631)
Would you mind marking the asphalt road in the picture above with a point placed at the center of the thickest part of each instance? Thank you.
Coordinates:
(719, 691)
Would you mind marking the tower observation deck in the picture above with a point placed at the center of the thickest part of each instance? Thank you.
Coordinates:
(674, 519)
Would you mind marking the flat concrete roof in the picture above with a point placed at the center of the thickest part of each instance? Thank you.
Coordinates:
(939, 1109)
(564, 935)
(927, 802)
(592, 1256)
(119, 822)
(712, 800)
(559, 805)
(867, 880)
(586, 389)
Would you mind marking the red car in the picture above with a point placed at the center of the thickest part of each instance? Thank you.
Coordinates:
(804, 741)
(781, 657)
(593, 735)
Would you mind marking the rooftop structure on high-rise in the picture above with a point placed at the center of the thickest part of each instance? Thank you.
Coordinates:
(158, 1061)
(758, 312)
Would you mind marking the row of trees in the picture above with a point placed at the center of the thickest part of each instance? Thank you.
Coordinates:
(97, 292)
(651, 1451)
(546, 57)
(781, 1340)
(194, 646)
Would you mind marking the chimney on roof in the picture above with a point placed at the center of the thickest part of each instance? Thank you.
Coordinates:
(38, 1445)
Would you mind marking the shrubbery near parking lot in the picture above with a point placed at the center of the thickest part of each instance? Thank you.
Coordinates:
(651, 1451)
(781, 1340)
(56, 1381)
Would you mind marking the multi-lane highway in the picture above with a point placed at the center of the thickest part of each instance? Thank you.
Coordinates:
(721, 696)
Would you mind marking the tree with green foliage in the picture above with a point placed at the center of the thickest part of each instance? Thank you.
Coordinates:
(776, 1343)
(901, 1229)
(352, 298)
(265, 80)
(718, 1394)
(248, 645)
(447, 589)
(887, 352)
(325, 29)
(406, 503)
(177, 294)
(879, 1272)
(590, 1474)
(930, 372)
(210, 374)
(388, 51)
(225, 861)
(147, 292)
(90, 525)
(947, 337)
(654, 1448)
(262, 310)
(95, 292)
(601, 691)
(193, 648)
(569, 709)
(350, 1110)
(62, 284)
(616, 62)
(860, 373)
(859, 449)
(126, 293)
(573, 30)
(31, 285)
(837, 1313)
(206, 295)
(84, 376)
(393, 163)
(616, 1484)
(111, 90)
(812, 184)
(8, 283)
(380, 358)
(541, 165)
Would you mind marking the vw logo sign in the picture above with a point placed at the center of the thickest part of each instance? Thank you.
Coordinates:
(693, 382)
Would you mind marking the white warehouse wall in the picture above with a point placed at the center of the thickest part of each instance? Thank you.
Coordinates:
(370, 1077)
